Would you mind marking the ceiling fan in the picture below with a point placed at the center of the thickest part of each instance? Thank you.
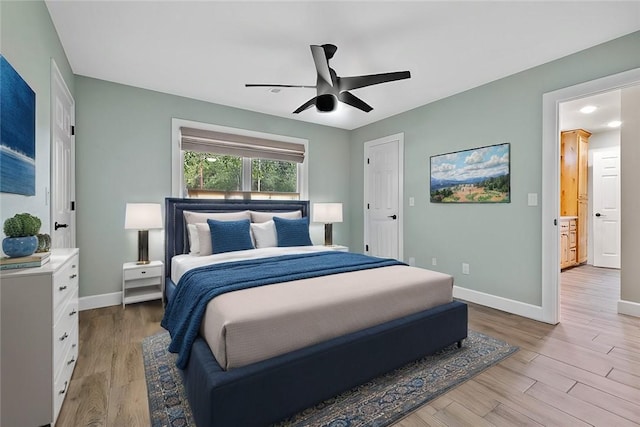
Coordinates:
(332, 88)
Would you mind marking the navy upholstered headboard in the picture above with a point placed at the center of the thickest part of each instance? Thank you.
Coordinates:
(176, 229)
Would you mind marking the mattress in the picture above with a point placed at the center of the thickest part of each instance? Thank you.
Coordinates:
(255, 324)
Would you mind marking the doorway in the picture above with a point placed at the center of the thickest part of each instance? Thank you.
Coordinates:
(551, 180)
(63, 179)
(383, 189)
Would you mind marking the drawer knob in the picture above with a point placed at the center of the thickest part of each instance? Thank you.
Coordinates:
(62, 288)
(64, 337)
(143, 272)
(64, 389)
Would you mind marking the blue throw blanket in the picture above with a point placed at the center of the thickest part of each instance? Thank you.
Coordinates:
(197, 287)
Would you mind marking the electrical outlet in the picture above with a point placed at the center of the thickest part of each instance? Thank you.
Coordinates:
(412, 261)
(434, 261)
(465, 268)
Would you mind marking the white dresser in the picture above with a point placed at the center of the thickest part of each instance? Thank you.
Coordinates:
(39, 339)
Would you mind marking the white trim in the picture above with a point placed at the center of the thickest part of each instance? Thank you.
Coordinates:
(629, 308)
(367, 146)
(551, 180)
(99, 301)
(510, 306)
(176, 154)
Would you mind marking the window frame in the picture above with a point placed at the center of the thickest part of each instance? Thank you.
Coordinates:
(178, 189)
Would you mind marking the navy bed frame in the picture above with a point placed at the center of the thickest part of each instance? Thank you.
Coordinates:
(269, 391)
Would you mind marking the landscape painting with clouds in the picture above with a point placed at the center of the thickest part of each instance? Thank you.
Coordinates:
(480, 175)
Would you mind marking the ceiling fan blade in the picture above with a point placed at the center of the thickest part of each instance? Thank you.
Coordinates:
(310, 103)
(354, 101)
(322, 63)
(268, 85)
(348, 83)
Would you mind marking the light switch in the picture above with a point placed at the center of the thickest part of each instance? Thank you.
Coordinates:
(412, 201)
(532, 199)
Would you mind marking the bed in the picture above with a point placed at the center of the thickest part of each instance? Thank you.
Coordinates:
(257, 392)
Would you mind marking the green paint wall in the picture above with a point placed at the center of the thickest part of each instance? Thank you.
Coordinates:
(123, 150)
(501, 242)
(123, 154)
(28, 40)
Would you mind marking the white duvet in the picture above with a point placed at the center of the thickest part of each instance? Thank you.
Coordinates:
(251, 325)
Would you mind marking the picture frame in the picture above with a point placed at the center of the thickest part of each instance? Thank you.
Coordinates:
(17, 133)
(476, 175)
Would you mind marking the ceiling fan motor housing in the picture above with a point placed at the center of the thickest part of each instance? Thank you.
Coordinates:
(326, 102)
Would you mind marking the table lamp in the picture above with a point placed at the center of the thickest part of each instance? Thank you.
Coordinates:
(143, 217)
(327, 213)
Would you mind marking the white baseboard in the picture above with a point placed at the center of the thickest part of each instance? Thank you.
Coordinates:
(628, 307)
(510, 306)
(99, 301)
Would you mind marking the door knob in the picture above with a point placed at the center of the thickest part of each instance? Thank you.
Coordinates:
(56, 225)
(392, 216)
(598, 214)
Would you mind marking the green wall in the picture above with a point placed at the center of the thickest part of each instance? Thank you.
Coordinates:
(502, 243)
(123, 150)
(123, 154)
(28, 40)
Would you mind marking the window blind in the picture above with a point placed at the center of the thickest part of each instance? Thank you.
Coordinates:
(208, 141)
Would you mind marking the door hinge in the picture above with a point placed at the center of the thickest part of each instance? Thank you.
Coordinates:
(367, 160)
(73, 206)
(368, 206)
(366, 248)
(555, 221)
(73, 130)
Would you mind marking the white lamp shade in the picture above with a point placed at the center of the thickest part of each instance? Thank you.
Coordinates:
(327, 213)
(143, 216)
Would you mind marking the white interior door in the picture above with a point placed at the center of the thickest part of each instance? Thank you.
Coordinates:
(383, 196)
(63, 218)
(606, 208)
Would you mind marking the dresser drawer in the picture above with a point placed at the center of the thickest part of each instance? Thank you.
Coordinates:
(63, 378)
(143, 273)
(65, 282)
(65, 331)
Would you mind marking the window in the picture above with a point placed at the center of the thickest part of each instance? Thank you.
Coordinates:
(217, 162)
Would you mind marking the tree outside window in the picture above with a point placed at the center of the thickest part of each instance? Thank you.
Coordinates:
(214, 175)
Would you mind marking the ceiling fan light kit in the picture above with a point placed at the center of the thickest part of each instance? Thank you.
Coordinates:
(331, 88)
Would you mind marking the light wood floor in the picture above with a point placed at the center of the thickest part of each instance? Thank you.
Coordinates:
(584, 371)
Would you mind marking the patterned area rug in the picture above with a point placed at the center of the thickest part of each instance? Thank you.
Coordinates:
(378, 403)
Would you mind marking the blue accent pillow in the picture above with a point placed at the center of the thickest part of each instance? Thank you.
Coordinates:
(229, 236)
(292, 232)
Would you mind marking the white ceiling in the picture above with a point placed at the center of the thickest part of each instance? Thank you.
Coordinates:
(208, 50)
(607, 110)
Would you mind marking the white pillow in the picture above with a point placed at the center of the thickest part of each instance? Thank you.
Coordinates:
(204, 237)
(194, 240)
(264, 234)
(202, 217)
(268, 216)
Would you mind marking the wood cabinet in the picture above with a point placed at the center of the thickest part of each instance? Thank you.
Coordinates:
(568, 242)
(39, 329)
(574, 195)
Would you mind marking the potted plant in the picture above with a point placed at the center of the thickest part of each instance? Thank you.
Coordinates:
(21, 231)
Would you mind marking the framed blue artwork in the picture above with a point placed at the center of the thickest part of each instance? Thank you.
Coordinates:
(478, 175)
(17, 133)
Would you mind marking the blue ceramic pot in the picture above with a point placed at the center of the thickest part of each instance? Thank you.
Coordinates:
(15, 247)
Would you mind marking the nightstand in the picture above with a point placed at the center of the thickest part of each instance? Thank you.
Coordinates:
(339, 248)
(142, 282)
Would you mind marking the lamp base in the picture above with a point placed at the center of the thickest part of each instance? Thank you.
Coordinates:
(143, 247)
(328, 234)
